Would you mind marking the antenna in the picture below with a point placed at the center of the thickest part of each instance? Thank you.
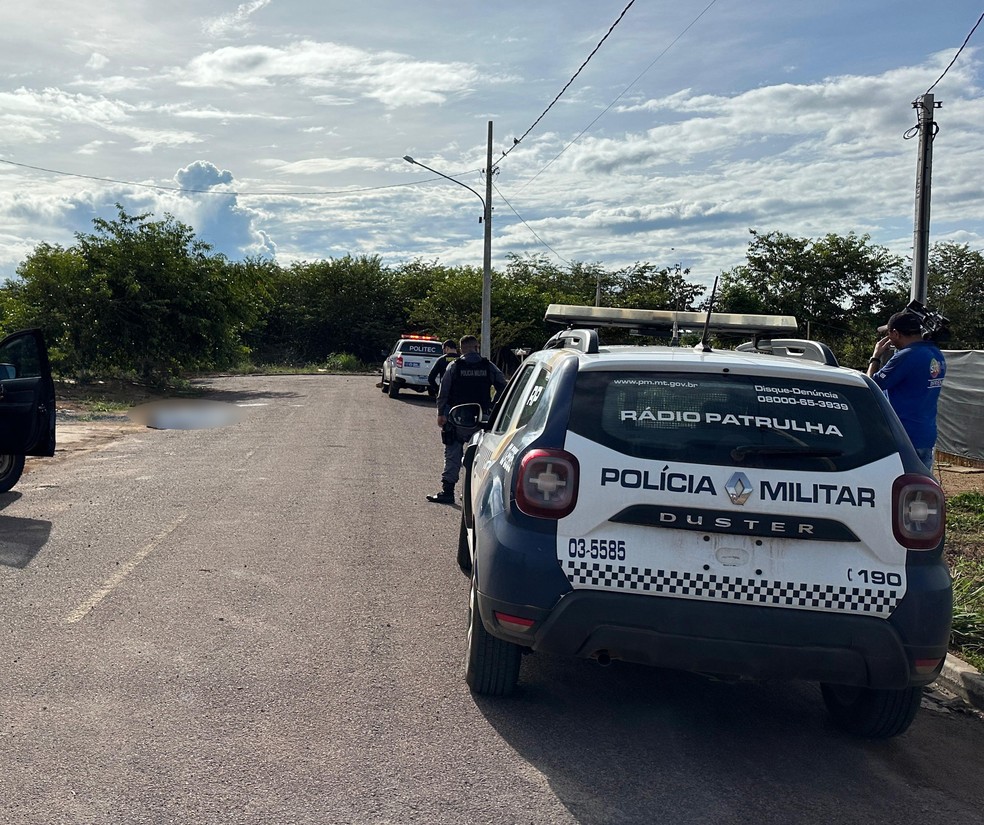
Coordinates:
(703, 346)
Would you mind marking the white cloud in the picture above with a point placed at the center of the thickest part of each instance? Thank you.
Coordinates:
(97, 62)
(390, 78)
(236, 23)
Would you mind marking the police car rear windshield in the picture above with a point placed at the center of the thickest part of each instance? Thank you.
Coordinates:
(428, 348)
(739, 420)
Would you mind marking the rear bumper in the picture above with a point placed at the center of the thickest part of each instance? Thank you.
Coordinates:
(722, 639)
(411, 382)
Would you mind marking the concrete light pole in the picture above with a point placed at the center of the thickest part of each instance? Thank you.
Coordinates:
(486, 336)
(926, 106)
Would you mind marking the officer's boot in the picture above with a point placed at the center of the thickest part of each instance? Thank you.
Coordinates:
(446, 496)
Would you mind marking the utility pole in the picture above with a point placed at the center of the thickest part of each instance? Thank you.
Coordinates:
(486, 340)
(925, 106)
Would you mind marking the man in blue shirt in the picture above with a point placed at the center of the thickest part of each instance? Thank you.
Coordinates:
(911, 379)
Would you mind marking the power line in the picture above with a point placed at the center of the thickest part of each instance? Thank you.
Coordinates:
(517, 141)
(966, 41)
(530, 228)
(621, 94)
(182, 189)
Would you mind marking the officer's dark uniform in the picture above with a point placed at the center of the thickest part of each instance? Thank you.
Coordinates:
(436, 375)
(468, 380)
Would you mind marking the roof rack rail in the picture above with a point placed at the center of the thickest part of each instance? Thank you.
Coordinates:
(583, 340)
(793, 348)
(657, 320)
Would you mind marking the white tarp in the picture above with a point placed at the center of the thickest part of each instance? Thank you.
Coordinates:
(960, 419)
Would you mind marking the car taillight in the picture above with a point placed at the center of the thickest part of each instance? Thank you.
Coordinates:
(547, 483)
(918, 512)
(399, 360)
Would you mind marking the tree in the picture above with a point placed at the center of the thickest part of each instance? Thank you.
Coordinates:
(836, 287)
(343, 305)
(645, 286)
(955, 287)
(135, 296)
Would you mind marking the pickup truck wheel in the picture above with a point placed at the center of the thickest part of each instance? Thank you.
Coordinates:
(491, 664)
(464, 556)
(11, 467)
(394, 390)
(871, 712)
(383, 386)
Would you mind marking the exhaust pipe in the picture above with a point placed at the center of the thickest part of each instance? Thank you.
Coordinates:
(603, 658)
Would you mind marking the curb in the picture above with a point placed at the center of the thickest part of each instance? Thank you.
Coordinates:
(962, 680)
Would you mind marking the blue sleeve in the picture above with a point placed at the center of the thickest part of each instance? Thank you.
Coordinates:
(894, 372)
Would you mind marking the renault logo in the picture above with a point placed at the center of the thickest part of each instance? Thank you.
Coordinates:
(739, 488)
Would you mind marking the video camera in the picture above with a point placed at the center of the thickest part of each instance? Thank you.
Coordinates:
(935, 327)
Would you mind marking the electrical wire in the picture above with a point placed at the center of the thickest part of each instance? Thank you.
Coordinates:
(620, 95)
(517, 141)
(966, 41)
(530, 228)
(181, 189)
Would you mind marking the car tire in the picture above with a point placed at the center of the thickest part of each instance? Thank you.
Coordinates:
(394, 390)
(491, 664)
(11, 467)
(872, 713)
(383, 386)
(464, 555)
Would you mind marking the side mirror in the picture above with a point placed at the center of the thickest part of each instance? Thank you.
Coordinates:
(468, 418)
(7, 371)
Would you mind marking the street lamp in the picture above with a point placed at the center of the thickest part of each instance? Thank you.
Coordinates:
(486, 344)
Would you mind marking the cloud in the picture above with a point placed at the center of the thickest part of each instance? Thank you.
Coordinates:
(318, 166)
(97, 61)
(202, 175)
(236, 23)
(51, 104)
(218, 220)
(390, 78)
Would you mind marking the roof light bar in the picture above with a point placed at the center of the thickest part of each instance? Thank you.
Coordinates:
(659, 320)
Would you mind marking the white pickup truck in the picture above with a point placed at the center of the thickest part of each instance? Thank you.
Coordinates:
(409, 363)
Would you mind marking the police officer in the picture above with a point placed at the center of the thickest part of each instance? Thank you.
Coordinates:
(436, 375)
(468, 380)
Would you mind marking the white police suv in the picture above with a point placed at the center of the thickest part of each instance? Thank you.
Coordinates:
(409, 363)
(27, 404)
(757, 513)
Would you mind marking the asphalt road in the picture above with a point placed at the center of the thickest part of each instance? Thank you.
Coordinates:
(262, 623)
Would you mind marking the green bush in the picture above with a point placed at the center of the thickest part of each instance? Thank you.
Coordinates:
(344, 362)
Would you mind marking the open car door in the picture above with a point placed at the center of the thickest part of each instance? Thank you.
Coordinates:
(27, 403)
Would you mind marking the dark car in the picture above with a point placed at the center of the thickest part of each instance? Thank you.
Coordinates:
(753, 514)
(27, 404)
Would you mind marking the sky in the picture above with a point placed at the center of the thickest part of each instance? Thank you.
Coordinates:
(278, 128)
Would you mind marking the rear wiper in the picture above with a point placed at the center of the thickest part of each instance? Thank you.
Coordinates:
(741, 452)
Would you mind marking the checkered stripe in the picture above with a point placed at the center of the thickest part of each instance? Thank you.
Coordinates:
(712, 586)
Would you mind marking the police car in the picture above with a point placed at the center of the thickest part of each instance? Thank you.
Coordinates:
(755, 513)
(27, 404)
(409, 363)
